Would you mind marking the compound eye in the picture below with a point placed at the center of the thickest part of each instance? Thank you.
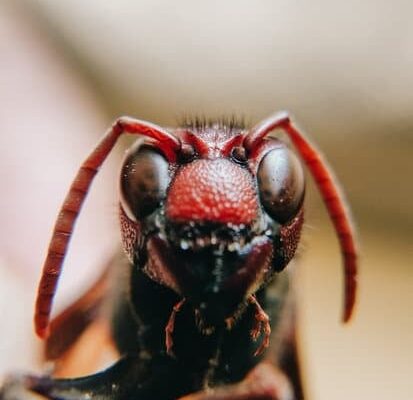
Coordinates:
(143, 182)
(281, 184)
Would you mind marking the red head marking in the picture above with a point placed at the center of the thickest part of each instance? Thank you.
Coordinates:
(212, 190)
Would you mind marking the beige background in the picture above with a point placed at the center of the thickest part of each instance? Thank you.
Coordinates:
(344, 69)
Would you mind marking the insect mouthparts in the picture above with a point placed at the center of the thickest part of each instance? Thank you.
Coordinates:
(200, 235)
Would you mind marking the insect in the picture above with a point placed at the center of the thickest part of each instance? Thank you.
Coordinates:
(210, 214)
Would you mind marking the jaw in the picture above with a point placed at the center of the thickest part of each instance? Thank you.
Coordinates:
(216, 280)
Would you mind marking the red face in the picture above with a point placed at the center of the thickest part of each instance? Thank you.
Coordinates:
(215, 223)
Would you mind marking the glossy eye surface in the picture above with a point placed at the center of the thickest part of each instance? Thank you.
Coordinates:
(281, 184)
(143, 182)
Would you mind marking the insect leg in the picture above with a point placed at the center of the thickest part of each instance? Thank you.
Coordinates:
(129, 378)
(262, 324)
(169, 329)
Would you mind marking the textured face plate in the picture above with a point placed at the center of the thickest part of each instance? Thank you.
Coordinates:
(212, 191)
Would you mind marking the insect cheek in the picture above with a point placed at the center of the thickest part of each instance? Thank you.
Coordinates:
(131, 234)
(289, 237)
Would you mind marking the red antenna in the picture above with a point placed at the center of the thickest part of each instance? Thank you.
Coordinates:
(330, 191)
(73, 202)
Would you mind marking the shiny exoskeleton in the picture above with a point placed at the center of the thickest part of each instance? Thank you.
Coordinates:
(210, 214)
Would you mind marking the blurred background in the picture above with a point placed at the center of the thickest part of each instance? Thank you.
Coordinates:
(343, 69)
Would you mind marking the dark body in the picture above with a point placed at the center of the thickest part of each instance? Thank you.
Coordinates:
(145, 371)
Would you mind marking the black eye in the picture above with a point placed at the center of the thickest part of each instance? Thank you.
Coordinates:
(143, 182)
(281, 184)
